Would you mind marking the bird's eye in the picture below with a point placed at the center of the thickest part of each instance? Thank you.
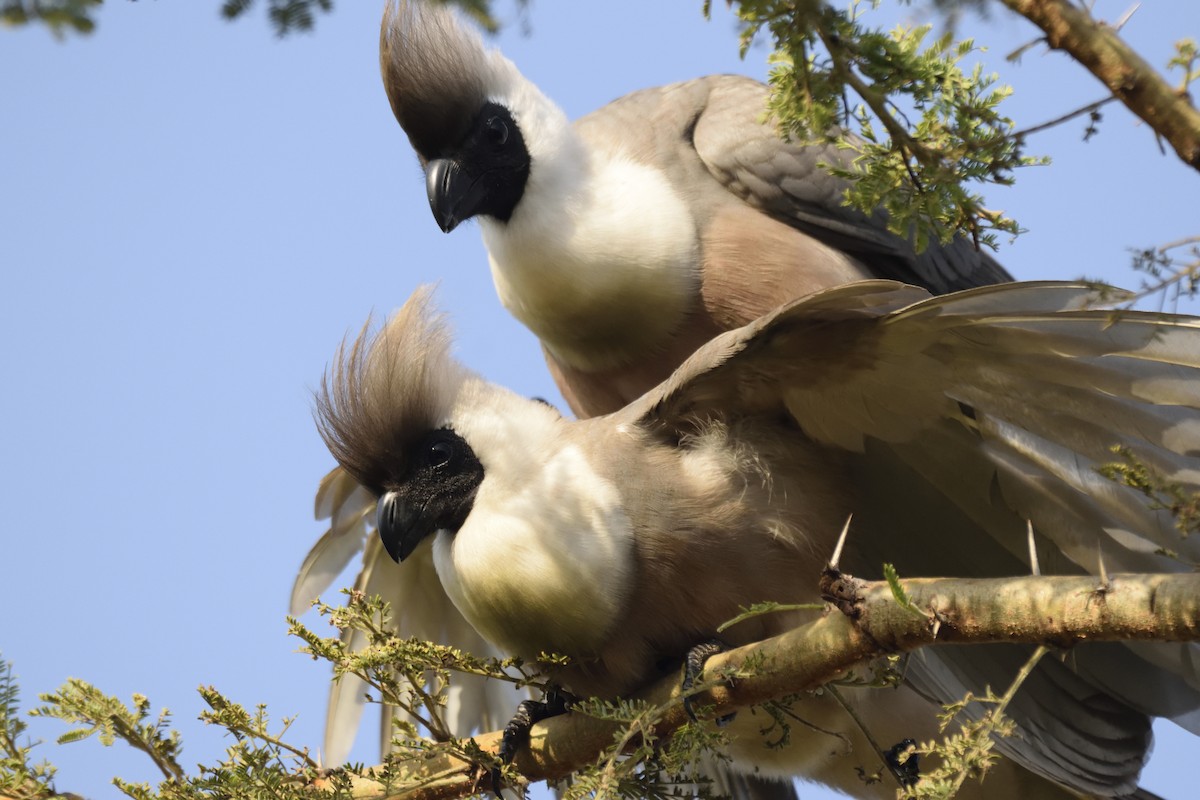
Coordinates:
(439, 454)
(496, 129)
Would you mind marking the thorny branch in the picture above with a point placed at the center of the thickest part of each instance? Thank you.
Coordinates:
(1056, 612)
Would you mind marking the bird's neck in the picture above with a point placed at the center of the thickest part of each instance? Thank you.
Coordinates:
(598, 259)
(544, 558)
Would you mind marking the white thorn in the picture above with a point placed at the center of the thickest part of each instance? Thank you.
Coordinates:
(1103, 571)
(1120, 23)
(837, 551)
(1034, 566)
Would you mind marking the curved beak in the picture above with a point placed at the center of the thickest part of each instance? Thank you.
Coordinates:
(401, 526)
(454, 195)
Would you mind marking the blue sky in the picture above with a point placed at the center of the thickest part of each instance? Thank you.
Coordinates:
(194, 213)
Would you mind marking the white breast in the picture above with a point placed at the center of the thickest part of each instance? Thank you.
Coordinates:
(545, 558)
(599, 259)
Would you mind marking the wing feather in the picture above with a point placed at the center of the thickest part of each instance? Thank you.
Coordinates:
(741, 147)
(969, 414)
(420, 608)
(346, 505)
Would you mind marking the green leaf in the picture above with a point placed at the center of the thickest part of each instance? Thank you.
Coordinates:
(893, 581)
(77, 735)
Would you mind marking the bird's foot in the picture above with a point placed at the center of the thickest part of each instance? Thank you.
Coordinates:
(529, 713)
(904, 764)
(693, 666)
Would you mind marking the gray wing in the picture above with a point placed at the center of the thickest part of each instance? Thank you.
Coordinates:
(420, 608)
(1037, 383)
(742, 149)
(965, 416)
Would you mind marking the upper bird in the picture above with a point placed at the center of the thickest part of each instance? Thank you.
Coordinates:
(942, 424)
(626, 240)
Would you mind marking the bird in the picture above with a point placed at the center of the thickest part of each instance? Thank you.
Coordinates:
(942, 424)
(626, 240)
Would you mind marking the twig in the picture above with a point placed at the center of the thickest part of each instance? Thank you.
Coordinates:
(1134, 82)
(1054, 611)
(1088, 109)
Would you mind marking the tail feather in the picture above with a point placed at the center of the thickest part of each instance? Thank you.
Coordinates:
(1045, 388)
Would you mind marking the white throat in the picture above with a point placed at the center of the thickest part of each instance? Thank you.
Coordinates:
(545, 556)
(599, 258)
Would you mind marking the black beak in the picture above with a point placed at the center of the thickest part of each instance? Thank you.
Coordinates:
(401, 526)
(454, 195)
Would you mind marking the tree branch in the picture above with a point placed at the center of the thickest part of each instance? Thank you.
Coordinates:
(1053, 611)
(1138, 85)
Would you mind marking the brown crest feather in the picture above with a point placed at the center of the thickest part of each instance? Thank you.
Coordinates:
(434, 72)
(385, 390)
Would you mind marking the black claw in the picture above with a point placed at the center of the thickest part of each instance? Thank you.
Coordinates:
(516, 732)
(529, 713)
(909, 772)
(693, 666)
(497, 784)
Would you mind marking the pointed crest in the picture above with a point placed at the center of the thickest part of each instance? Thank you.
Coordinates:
(386, 389)
(435, 72)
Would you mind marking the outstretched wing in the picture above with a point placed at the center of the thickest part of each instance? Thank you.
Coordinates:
(1044, 384)
(420, 608)
(964, 416)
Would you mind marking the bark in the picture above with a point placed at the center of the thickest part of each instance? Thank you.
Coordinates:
(1095, 45)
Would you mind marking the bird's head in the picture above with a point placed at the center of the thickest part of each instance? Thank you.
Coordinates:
(386, 411)
(474, 120)
(417, 429)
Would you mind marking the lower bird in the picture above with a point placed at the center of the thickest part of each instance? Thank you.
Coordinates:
(942, 424)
